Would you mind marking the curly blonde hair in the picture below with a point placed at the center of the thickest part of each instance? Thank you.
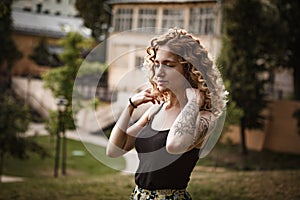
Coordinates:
(198, 68)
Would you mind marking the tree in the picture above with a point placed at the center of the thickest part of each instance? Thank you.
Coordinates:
(61, 80)
(14, 116)
(42, 56)
(289, 16)
(247, 52)
(14, 119)
(8, 51)
(96, 16)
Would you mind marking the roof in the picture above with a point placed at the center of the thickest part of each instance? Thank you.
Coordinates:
(49, 25)
(157, 1)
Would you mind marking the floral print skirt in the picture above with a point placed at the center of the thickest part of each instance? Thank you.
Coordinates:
(166, 194)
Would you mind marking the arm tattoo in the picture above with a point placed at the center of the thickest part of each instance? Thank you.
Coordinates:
(186, 122)
(203, 127)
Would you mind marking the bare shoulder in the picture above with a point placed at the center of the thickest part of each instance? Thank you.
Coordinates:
(153, 109)
(147, 115)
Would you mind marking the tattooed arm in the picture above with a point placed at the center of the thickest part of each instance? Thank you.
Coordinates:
(189, 129)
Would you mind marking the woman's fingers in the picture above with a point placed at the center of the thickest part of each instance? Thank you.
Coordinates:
(194, 94)
(144, 96)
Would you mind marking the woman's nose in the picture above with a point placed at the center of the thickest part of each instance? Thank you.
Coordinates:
(160, 71)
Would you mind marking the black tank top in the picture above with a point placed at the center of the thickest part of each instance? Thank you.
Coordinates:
(157, 168)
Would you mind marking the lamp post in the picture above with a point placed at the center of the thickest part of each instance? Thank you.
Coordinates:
(64, 140)
(61, 106)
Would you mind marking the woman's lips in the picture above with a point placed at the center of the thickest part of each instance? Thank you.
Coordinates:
(162, 82)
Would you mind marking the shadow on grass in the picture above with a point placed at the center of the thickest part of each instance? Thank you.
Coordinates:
(229, 156)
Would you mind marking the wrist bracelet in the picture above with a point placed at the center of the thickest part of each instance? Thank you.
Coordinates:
(134, 106)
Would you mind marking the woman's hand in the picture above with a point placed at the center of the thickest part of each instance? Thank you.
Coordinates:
(193, 94)
(145, 96)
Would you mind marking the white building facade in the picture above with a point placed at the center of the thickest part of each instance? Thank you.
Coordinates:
(135, 22)
(50, 7)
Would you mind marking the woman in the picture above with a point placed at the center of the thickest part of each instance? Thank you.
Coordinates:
(188, 96)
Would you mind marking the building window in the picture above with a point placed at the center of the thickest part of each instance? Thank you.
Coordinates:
(147, 18)
(139, 62)
(202, 21)
(27, 9)
(173, 18)
(58, 1)
(123, 19)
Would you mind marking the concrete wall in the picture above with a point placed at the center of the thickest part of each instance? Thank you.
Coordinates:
(26, 44)
(280, 133)
(34, 93)
(283, 133)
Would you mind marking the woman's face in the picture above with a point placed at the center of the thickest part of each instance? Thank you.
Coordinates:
(168, 71)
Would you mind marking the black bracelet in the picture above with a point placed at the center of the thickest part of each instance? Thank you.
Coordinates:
(134, 106)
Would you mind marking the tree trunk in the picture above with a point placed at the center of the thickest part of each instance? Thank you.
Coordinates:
(8, 76)
(297, 82)
(243, 138)
(1, 165)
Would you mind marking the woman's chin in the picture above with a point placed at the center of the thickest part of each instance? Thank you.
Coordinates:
(162, 89)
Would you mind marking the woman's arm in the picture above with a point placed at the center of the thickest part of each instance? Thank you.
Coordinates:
(190, 127)
(122, 137)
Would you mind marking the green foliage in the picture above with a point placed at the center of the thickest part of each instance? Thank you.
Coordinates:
(14, 122)
(243, 46)
(94, 103)
(61, 80)
(42, 56)
(91, 74)
(8, 51)
(289, 17)
(40, 53)
(233, 112)
(90, 68)
(95, 15)
(250, 28)
(14, 116)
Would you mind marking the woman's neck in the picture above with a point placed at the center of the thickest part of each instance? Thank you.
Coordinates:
(178, 101)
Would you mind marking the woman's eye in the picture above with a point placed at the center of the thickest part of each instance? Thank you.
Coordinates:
(157, 65)
(168, 65)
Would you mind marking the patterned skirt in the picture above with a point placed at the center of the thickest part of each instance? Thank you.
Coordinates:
(166, 194)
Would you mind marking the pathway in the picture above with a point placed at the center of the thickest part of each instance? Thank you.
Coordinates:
(6, 179)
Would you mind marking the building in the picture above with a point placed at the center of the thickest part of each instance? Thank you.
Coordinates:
(30, 26)
(135, 22)
(48, 7)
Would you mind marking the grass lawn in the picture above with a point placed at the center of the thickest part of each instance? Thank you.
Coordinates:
(224, 174)
(77, 165)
